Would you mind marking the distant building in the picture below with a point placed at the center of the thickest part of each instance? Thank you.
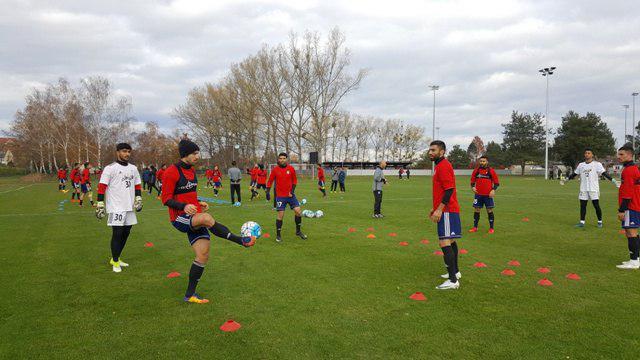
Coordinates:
(6, 156)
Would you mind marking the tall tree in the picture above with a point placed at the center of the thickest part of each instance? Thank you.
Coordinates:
(524, 138)
(458, 157)
(496, 154)
(579, 132)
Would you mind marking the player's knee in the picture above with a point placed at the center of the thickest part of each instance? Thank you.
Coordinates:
(207, 220)
(203, 257)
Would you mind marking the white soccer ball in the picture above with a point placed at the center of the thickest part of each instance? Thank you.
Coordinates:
(251, 228)
(303, 201)
(308, 213)
(319, 213)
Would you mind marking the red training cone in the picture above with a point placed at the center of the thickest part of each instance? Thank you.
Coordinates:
(480, 265)
(173, 274)
(545, 282)
(424, 241)
(230, 326)
(403, 243)
(371, 236)
(266, 235)
(438, 252)
(351, 230)
(393, 234)
(525, 219)
(418, 296)
(514, 263)
(148, 244)
(544, 270)
(463, 251)
(508, 272)
(573, 276)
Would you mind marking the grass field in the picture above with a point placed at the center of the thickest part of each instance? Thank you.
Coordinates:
(337, 295)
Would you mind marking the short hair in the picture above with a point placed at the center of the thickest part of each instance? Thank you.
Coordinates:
(319, 164)
(283, 154)
(588, 149)
(233, 163)
(76, 164)
(626, 147)
(86, 164)
(439, 143)
(483, 157)
(261, 166)
(122, 146)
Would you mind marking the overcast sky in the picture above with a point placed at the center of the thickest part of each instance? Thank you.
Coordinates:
(484, 54)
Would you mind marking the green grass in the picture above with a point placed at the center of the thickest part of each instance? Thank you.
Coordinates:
(337, 295)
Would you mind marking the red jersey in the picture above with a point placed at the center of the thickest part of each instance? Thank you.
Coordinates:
(285, 178)
(62, 174)
(209, 174)
(445, 179)
(262, 176)
(320, 174)
(216, 175)
(180, 184)
(86, 177)
(484, 179)
(254, 174)
(75, 175)
(630, 187)
(160, 174)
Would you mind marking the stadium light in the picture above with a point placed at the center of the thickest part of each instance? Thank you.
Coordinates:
(433, 125)
(546, 72)
(633, 120)
(626, 108)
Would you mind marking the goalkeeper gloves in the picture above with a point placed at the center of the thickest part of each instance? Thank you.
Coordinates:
(137, 203)
(100, 211)
(616, 182)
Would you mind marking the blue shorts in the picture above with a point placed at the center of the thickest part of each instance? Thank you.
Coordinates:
(76, 185)
(217, 184)
(253, 183)
(631, 219)
(261, 186)
(281, 202)
(183, 224)
(449, 226)
(483, 200)
(62, 181)
(85, 188)
(321, 183)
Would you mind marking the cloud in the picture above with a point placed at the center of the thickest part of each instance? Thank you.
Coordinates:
(484, 55)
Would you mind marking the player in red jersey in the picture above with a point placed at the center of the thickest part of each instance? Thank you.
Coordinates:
(446, 213)
(254, 180)
(484, 183)
(74, 177)
(216, 176)
(85, 183)
(321, 180)
(209, 175)
(629, 206)
(62, 179)
(188, 214)
(159, 175)
(261, 180)
(286, 182)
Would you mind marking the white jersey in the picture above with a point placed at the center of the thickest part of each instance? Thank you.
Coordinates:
(121, 181)
(590, 175)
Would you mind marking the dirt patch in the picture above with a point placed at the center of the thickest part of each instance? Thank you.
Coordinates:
(36, 177)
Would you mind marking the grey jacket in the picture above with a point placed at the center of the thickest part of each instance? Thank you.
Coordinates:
(334, 175)
(235, 175)
(378, 179)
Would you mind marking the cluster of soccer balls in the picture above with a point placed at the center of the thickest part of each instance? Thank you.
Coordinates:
(311, 214)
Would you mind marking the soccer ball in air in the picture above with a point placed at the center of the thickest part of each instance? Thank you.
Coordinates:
(319, 213)
(308, 213)
(251, 228)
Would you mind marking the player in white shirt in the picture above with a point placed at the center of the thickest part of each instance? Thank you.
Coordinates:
(120, 186)
(590, 171)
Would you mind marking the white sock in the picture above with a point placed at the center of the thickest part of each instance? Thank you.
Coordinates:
(581, 221)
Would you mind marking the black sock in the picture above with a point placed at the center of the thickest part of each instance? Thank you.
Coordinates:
(222, 231)
(476, 218)
(449, 260)
(81, 201)
(194, 276)
(116, 241)
(454, 247)
(596, 205)
(324, 192)
(634, 247)
(583, 209)
(278, 227)
(215, 191)
(91, 202)
(491, 219)
(298, 223)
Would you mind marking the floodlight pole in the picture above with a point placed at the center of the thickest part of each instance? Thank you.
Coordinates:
(433, 124)
(626, 108)
(633, 120)
(546, 72)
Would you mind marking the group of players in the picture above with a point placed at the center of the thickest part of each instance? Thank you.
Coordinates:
(80, 177)
(119, 197)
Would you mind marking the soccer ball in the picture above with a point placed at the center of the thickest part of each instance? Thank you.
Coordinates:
(251, 228)
(303, 201)
(308, 213)
(319, 213)
(237, 203)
